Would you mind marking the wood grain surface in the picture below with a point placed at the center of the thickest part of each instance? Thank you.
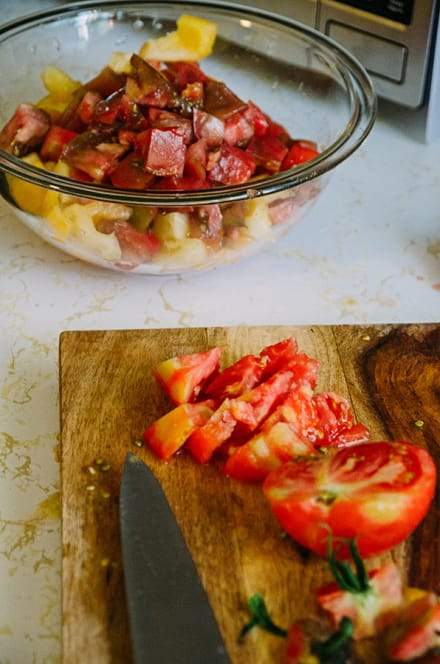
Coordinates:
(108, 395)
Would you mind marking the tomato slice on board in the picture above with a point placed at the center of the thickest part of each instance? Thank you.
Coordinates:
(236, 379)
(277, 355)
(416, 631)
(335, 424)
(205, 441)
(169, 433)
(376, 493)
(368, 610)
(283, 437)
(182, 376)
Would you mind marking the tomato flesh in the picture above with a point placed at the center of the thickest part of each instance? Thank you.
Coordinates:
(376, 492)
(234, 166)
(168, 434)
(182, 376)
(55, 141)
(234, 380)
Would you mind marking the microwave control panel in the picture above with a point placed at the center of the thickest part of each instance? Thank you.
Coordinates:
(396, 10)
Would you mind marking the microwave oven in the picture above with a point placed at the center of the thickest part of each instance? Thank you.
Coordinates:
(395, 40)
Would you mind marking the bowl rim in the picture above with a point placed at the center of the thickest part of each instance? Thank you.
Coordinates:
(361, 95)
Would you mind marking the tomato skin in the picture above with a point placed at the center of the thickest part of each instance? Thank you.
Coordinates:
(130, 173)
(182, 376)
(234, 380)
(234, 166)
(55, 141)
(368, 611)
(163, 151)
(376, 492)
(268, 152)
(276, 355)
(169, 433)
(300, 152)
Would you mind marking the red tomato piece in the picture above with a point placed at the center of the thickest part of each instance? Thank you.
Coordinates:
(236, 379)
(169, 433)
(205, 441)
(88, 152)
(268, 152)
(300, 152)
(166, 120)
(368, 609)
(195, 160)
(281, 439)
(238, 130)
(208, 127)
(265, 397)
(25, 130)
(416, 631)
(163, 151)
(127, 137)
(234, 166)
(54, 143)
(182, 74)
(182, 184)
(376, 493)
(130, 173)
(182, 376)
(148, 86)
(277, 355)
(87, 106)
(257, 119)
(335, 422)
(136, 247)
(119, 107)
(276, 130)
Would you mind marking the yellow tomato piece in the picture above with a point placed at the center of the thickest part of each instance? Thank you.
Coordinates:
(120, 62)
(197, 34)
(59, 84)
(29, 197)
(52, 105)
(193, 40)
(61, 168)
(58, 220)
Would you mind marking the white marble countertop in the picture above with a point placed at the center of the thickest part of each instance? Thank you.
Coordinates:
(369, 252)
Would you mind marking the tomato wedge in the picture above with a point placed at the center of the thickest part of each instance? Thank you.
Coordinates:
(170, 432)
(283, 436)
(236, 379)
(182, 376)
(376, 492)
(335, 425)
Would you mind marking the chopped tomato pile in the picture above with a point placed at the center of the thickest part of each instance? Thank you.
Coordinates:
(263, 421)
(156, 121)
(359, 604)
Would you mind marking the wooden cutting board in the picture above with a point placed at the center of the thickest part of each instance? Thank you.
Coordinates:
(108, 395)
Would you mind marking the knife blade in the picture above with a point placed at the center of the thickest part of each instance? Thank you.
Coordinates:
(171, 619)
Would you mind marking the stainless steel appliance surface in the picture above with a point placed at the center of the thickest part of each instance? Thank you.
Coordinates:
(394, 39)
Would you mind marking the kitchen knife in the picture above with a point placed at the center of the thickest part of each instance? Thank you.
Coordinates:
(171, 619)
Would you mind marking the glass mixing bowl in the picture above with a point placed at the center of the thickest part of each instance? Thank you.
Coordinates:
(299, 77)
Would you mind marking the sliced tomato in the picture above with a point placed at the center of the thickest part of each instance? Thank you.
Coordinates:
(87, 106)
(148, 86)
(55, 141)
(257, 119)
(195, 160)
(205, 441)
(136, 247)
(25, 130)
(209, 127)
(275, 130)
(182, 74)
(241, 376)
(268, 152)
(163, 151)
(182, 377)
(130, 173)
(161, 119)
(277, 355)
(169, 433)
(283, 437)
(299, 152)
(238, 130)
(87, 152)
(234, 166)
(335, 422)
(221, 101)
(266, 396)
(416, 631)
(376, 493)
(368, 609)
